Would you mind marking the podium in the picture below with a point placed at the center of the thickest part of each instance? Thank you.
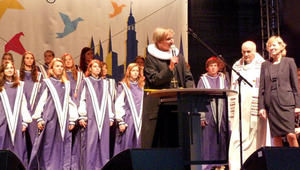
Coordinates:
(191, 101)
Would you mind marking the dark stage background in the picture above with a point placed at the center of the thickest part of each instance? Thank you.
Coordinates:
(225, 24)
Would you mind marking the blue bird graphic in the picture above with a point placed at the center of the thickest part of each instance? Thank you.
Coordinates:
(70, 26)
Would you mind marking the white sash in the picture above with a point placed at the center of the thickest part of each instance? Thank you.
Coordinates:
(35, 89)
(12, 117)
(43, 71)
(137, 119)
(112, 88)
(213, 102)
(79, 78)
(99, 112)
(61, 111)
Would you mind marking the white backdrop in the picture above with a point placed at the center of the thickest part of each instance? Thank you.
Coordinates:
(40, 21)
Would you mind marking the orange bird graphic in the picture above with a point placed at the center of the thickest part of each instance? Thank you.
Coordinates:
(15, 44)
(117, 9)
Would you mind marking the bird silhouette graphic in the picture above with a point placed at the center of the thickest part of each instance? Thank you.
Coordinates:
(9, 4)
(14, 44)
(117, 9)
(70, 26)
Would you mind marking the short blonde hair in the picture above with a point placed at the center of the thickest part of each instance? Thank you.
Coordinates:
(279, 40)
(160, 34)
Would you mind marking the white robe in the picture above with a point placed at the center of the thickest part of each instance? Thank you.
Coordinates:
(254, 129)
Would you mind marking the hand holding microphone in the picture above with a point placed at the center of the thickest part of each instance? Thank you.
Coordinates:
(174, 59)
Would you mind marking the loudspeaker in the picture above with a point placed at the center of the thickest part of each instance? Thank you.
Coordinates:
(9, 161)
(146, 159)
(274, 158)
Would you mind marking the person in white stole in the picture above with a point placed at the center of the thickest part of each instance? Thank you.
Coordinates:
(113, 93)
(129, 108)
(48, 57)
(255, 132)
(31, 77)
(14, 114)
(96, 117)
(56, 114)
(75, 76)
(213, 141)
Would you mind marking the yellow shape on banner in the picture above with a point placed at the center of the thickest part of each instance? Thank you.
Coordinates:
(12, 4)
(109, 62)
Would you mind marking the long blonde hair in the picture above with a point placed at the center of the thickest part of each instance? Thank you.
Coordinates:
(63, 77)
(73, 69)
(141, 78)
(15, 77)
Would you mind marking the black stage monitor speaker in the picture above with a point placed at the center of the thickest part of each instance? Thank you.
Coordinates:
(9, 161)
(274, 158)
(146, 159)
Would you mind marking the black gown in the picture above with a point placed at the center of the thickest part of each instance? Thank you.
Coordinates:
(159, 76)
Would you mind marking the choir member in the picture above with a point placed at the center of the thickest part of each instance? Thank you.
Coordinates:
(86, 56)
(96, 117)
(48, 57)
(14, 114)
(214, 128)
(7, 57)
(112, 92)
(112, 82)
(75, 77)
(56, 114)
(128, 109)
(31, 77)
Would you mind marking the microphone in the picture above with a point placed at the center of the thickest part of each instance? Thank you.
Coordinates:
(173, 48)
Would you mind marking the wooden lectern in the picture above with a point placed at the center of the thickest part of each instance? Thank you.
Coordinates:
(191, 101)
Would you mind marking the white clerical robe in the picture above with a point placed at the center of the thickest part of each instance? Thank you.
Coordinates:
(254, 129)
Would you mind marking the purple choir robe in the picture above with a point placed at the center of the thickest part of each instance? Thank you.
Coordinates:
(128, 110)
(31, 90)
(95, 108)
(211, 148)
(8, 141)
(76, 133)
(52, 148)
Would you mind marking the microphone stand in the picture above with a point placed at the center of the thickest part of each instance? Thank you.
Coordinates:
(240, 79)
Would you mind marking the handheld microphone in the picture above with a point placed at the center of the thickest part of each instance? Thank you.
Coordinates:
(173, 48)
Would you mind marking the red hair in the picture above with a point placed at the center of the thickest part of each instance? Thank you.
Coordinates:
(213, 60)
(88, 72)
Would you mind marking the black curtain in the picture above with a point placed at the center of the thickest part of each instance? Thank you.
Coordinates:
(224, 25)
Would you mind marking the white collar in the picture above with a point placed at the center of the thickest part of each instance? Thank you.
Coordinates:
(54, 78)
(94, 78)
(153, 50)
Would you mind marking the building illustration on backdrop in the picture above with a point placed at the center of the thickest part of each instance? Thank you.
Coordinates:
(113, 69)
(131, 42)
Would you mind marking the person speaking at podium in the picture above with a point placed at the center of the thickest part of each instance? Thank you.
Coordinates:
(164, 68)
